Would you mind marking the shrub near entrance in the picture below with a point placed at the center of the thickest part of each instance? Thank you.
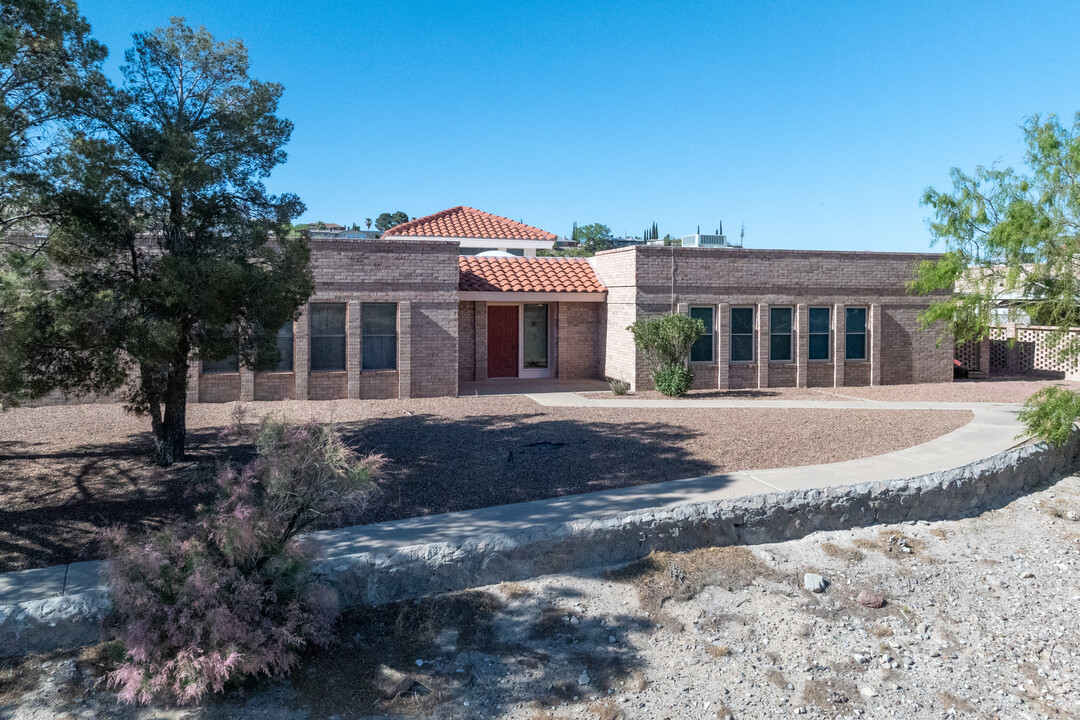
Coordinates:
(665, 342)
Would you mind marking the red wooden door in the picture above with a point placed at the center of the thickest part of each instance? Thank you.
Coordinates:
(502, 341)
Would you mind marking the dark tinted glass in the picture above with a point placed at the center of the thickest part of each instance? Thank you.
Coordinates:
(742, 348)
(705, 315)
(856, 320)
(819, 347)
(779, 320)
(380, 352)
(819, 320)
(327, 319)
(742, 321)
(285, 348)
(379, 318)
(856, 347)
(780, 347)
(228, 365)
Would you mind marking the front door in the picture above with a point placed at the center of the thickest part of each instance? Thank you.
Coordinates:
(502, 341)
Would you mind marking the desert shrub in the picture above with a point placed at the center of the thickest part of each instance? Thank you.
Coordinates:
(665, 342)
(232, 595)
(673, 380)
(1051, 414)
(619, 387)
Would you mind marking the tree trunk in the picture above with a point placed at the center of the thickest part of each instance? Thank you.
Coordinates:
(170, 433)
(168, 417)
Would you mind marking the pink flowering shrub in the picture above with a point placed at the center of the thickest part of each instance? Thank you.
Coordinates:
(232, 595)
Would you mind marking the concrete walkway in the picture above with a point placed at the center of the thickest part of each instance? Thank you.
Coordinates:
(993, 429)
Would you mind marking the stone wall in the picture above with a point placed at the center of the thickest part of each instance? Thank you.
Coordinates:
(423, 570)
(650, 281)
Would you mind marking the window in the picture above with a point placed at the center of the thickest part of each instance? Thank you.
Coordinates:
(780, 334)
(702, 349)
(742, 334)
(327, 336)
(380, 336)
(818, 336)
(535, 336)
(856, 334)
(285, 348)
(230, 364)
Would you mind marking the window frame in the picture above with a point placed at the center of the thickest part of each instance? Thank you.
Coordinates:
(752, 334)
(828, 333)
(790, 335)
(864, 333)
(312, 337)
(711, 335)
(364, 335)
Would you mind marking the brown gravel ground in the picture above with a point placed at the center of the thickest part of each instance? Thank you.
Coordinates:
(1006, 389)
(67, 472)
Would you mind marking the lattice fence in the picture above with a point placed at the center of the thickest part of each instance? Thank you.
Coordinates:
(968, 354)
(1030, 353)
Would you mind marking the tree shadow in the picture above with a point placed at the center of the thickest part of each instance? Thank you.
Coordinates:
(439, 465)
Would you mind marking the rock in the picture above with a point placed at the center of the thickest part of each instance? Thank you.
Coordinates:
(815, 583)
(1027, 575)
(389, 683)
(1072, 516)
(583, 679)
(871, 599)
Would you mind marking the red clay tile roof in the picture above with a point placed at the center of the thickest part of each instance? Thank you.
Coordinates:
(494, 274)
(467, 222)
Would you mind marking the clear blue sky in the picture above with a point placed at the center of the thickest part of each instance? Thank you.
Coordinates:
(817, 124)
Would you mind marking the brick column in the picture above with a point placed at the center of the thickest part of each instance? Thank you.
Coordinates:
(481, 342)
(984, 356)
(194, 367)
(404, 358)
(802, 343)
(723, 346)
(875, 344)
(247, 384)
(354, 361)
(839, 323)
(762, 345)
(1013, 347)
(301, 353)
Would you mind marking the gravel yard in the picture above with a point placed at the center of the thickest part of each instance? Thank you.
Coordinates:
(67, 472)
(1010, 390)
(978, 621)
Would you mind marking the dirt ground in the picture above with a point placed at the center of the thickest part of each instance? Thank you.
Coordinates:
(1001, 389)
(978, 622)
(67, 472)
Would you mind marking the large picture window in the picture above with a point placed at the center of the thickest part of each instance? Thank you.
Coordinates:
(327, 336)
(855, 345)
(702, 349)
(742, 334)
(780, 334)
(818, 336)
(380, 336)
(285, 348)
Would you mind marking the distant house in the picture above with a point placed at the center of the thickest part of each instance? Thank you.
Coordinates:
(475, 232)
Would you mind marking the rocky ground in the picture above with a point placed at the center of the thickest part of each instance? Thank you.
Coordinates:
(978, 621)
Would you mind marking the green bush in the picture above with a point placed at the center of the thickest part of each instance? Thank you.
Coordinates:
(619, 387)
(1051, 415)
(666, 340)
(673, 380)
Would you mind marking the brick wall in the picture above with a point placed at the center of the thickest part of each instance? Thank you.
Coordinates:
(219, 387)
(275, 386)
(578, 341)
(649, 281)
(466, 341)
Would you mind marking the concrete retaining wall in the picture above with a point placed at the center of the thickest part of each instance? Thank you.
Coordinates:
(420, 570)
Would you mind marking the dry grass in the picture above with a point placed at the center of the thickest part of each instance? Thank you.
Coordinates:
(718, 651)
(605, 709)
(831, 695)
(664, 576)
(891, 545)
(513, 591)
(851, 555)
(777, 679)
(949, 700)
(881, 631)
(939, 533)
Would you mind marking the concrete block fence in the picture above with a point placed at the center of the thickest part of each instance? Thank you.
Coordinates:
(416, 571)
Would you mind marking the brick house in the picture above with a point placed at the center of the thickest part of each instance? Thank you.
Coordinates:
(409, 315)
